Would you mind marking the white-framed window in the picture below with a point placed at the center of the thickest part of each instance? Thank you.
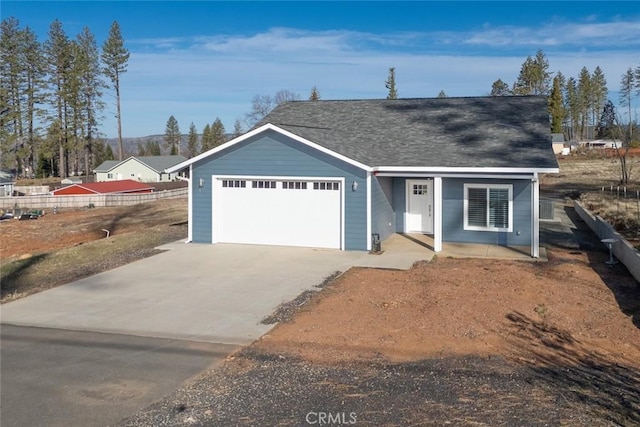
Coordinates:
(488, 207)
(109, 176)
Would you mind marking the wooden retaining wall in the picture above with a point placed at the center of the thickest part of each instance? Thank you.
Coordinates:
(622, 249)
(96, 200)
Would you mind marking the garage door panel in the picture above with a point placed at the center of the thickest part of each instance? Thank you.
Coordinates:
(279, 216)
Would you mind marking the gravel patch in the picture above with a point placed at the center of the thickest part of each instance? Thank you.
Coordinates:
(266, 389)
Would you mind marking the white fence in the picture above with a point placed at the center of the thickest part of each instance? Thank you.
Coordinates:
(96, 200)
(622, 249)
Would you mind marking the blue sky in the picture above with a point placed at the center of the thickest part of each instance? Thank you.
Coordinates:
(198, 60)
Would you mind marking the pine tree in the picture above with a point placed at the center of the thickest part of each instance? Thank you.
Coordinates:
(33, 92)
(205, 142)
(627, 84)
(115, 57)
(192, 144)
(556, 106)
(599, 94)
(91, 86)
(237, 129)
(607, 128)
(108, 153)
(500, 88)
(218, 136)
(58, 54)
(573, 107)
(442, 94)
(534, 76)
(584, 101)
(172, 136)
(315, 95)
(390, 84)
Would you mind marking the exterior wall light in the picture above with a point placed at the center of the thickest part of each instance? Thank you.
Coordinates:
(354, 186)
(201, 182)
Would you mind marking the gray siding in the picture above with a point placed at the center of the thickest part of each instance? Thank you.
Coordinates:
(453, 214)
(383, 216)
(272, 154)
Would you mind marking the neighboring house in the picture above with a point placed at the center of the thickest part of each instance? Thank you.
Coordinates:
(557, 142)
(126, 186)
(139, 168)
(6, 184)
(331, 174)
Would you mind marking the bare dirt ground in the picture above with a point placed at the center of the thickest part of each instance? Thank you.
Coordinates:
(56, 249)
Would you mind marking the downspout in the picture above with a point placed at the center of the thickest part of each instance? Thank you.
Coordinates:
(190, 206)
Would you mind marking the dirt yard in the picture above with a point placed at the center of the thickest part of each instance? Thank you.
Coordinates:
(58, 248)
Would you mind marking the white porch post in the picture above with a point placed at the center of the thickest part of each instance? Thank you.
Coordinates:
(369, 212)
(437, 214)
(535, 216)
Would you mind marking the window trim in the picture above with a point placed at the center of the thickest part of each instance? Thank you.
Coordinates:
(488, 227)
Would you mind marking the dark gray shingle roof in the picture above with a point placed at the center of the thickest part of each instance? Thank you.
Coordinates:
(107, 165)
(427, 132)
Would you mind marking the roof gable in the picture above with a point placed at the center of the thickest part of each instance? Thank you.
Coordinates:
(155, 163)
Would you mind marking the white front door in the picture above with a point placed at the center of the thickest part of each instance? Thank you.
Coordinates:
(419, 218)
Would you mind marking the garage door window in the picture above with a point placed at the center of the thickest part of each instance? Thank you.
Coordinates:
(263, 184)
(326, 186)
(294, 185)
(230, 183)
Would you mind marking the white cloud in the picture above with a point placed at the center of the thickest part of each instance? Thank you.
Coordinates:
(201, 78)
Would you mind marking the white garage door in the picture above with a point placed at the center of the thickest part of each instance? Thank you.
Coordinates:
(278, 212)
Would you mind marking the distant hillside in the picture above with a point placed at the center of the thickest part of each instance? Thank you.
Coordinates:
(130, 145)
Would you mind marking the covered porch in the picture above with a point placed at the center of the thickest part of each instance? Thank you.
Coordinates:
(442, 212)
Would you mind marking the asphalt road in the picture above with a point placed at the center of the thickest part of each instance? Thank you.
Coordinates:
(53, 377)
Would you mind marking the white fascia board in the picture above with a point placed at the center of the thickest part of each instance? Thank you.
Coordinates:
(443, 170)
(456, 175)
(259, 130)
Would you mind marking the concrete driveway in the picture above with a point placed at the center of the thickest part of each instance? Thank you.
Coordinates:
(212, 293)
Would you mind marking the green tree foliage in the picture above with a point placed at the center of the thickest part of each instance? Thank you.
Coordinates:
(534, 77)
(108, 153)
(192, 142)
(314, 95)
(599, 92)
(500, 88)
(205, 142)
(172, 136)
(442, 94)
(390, 84)
(556, 105)
(607, 125)
(218, 136)
(115, 58)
